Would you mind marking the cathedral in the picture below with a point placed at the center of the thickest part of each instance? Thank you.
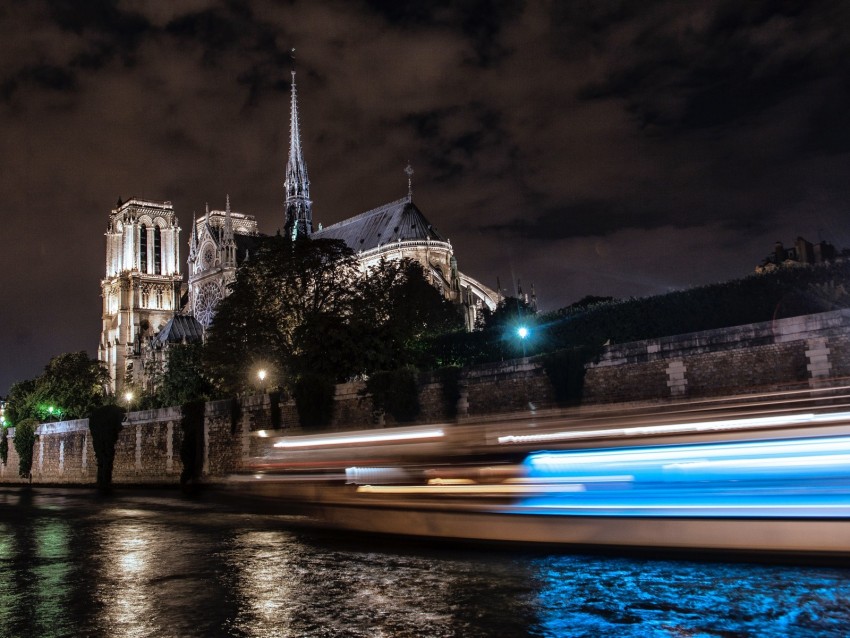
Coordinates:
(146, 306)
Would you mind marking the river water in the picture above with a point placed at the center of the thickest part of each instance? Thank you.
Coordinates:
(142, 564)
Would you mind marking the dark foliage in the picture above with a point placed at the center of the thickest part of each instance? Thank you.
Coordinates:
(449, 378)
(785, 293)
(274, 409)
(192, 425)
(314, 399)
(183, 379)
(71, 383)
(284, 285)
(395, 392)
(566, 370)
(105, 426)
(594, 321)
(235, 414)
(25, 437)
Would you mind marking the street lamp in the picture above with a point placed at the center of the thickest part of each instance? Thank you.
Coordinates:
(522, 332)
(261, 375)
(128, 397)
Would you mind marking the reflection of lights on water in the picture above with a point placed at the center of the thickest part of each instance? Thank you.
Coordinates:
(126, 602)
(52, 570)
(265, 582)
(133, 559)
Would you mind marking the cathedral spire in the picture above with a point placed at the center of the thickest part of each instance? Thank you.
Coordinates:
(299, 208)
(409, 172)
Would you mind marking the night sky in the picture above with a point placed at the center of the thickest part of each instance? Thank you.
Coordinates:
(595, 147)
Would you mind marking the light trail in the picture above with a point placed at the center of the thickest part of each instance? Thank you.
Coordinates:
(679, 428)
(358, 439)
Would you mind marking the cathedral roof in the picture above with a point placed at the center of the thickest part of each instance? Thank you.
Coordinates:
(397, 221)
(179, 329)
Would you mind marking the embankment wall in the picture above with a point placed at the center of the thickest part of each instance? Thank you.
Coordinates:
(800, 352)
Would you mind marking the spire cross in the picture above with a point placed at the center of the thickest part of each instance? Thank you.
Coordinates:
(409, 172)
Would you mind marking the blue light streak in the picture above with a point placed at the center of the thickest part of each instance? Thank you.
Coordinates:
(785, 478)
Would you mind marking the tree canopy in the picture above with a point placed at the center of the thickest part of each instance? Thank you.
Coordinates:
(70, 387)
(305, 307)
(284, 285)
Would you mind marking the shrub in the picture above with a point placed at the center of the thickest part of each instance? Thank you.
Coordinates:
(566, 370)
(105, 426)
(191, 423)
(24, 441)
(395, 392)
(235, 414)
(314, 399)
(450, 388)
(274, 409)
(4, 445)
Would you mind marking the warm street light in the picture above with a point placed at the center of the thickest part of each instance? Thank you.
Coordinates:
(261, 375)
(128, 396)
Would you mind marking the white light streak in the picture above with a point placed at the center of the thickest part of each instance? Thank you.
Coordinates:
(356, 439)
(674, 428)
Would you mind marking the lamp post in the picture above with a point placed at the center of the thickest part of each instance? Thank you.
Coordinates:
(261, 375)
(128, 397)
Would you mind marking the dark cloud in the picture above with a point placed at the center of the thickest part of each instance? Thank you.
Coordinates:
(593, 147)
(480, 21)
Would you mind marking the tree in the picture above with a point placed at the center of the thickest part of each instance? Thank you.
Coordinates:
(70, 387)
(284, 285)
(24, 441)
(183, 379)
(399, 311)
(105, 425)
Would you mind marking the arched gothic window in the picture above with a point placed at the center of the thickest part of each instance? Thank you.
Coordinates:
(143, 248)
(157, 252)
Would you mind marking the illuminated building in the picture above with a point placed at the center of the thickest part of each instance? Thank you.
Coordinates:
(141, 289)
(142, 309)
(220, 241)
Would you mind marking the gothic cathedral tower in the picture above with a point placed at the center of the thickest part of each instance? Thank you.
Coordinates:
(219, 242)
(141, 290)
(299, 208)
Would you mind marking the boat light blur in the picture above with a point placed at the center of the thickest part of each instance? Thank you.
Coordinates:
(357, 439)
(674, 428)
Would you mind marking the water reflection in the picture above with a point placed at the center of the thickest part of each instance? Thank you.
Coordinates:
(51, 570)
(160, 566)
(263, 585)
(588, 596)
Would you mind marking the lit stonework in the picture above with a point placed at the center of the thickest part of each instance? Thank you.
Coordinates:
(141, 290)
(142, 312)
(220, 241)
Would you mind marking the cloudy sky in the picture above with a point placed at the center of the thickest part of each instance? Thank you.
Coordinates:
(621, 148)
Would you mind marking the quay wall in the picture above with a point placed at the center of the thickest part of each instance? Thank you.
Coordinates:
(800, 352)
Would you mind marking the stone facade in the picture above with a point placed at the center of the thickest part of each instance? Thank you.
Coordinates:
(141, 288)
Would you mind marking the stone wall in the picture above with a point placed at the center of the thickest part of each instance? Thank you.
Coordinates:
(768, 356)
(789, 353)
